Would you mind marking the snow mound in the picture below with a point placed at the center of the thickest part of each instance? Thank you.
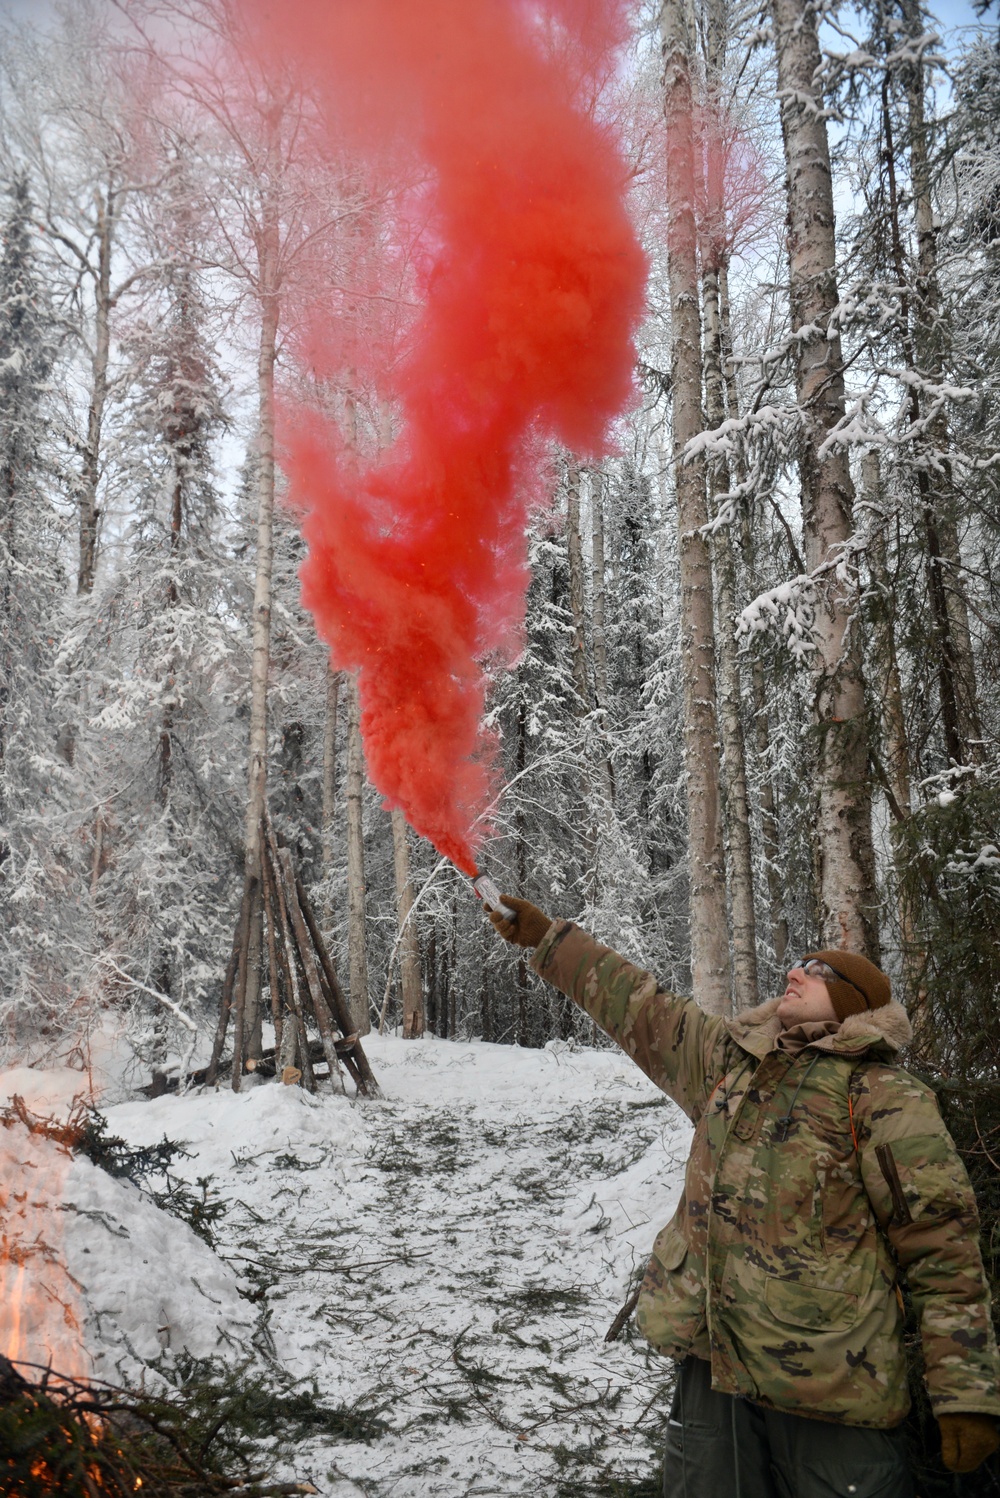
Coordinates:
(149, 1284)
(97, 1281)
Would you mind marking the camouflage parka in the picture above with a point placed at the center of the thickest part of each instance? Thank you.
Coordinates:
(817, 1176)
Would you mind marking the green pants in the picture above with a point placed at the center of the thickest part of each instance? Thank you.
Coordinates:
(722, 1447)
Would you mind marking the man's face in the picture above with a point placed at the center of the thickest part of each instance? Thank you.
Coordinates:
(806, 999)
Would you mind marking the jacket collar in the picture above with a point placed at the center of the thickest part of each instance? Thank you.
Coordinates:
(887, 1030)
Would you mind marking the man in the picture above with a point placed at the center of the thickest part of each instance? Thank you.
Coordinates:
(820, 1172)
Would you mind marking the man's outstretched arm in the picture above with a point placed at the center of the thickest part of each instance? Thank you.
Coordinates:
(670, 1038)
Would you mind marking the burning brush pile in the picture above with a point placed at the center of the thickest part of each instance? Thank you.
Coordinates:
(61, 1435)
(195, 1424)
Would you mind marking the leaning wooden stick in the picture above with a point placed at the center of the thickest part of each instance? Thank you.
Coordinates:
(272, 954)
(288, 977)
(294, 997)
(308, 961)
(226, 1004)
(289, 1030)
(250, 894)
(367, 1084)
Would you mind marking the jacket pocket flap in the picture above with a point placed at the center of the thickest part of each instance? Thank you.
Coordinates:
(670, 1248)
(797, 1303)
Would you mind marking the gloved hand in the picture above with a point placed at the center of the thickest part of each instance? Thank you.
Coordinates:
(967, 1440)
(528, 926)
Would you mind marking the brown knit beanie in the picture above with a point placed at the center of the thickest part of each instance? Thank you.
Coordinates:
(859, 985)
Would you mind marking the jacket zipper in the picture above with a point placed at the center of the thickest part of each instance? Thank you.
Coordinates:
(887, 1165)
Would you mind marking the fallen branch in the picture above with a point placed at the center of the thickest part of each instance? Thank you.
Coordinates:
(617, 1326)
(154, 993)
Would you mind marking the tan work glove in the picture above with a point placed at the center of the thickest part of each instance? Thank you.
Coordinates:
(528, 926)
(967, 1440)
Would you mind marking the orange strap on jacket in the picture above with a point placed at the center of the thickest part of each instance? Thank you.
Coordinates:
(850, 1114)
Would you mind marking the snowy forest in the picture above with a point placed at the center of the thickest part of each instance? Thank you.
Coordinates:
(753, 706)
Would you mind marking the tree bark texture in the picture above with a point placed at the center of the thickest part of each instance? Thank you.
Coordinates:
(598, 625)
(268, 296)
(8, 564)
(521, 856)
(273, 979)
(409, 948)
(355, 1058)
(710, 974)
(761, 737)
(934, 500)
(172, 598)
(285, 874)
(887, 687)
(329, 790)
(226, 999)
(766, 800)
(294, 1050)
(730, 687)
(845, 854)
(574, 549)
(888, 704)
(714, 252)
(356, 891)
(107, 208)
(250, 912)
(770, 846)
(938, 493)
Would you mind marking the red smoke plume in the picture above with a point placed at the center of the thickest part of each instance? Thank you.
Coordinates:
(530, 294)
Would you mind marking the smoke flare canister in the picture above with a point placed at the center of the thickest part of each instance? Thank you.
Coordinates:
(490, 896)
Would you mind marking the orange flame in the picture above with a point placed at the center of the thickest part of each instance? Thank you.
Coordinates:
(40, 1315)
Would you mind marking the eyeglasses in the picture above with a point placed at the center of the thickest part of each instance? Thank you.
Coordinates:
(815, 968)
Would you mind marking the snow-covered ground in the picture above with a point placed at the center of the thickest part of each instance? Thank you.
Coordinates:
(446, 1260)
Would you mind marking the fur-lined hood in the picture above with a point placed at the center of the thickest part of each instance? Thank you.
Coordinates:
(887, 1028)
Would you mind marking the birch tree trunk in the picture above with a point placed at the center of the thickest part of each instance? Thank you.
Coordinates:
(574, 548)
(598, 626)
(770, 847)
(710, 976)
(714, 241)
(521, 853)
(887, 688)
(268, 296)
(938, 497)
(730, 686)
(9, 553)
(846, 863)
(767, 801)
(172, 596)
(888, 702)
(356, 892)
(91, 468)
(409, 949)
(591, 814)
(329, 788)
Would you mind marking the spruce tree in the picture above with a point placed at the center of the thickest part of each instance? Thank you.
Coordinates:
(170, 679)
(42, 913)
